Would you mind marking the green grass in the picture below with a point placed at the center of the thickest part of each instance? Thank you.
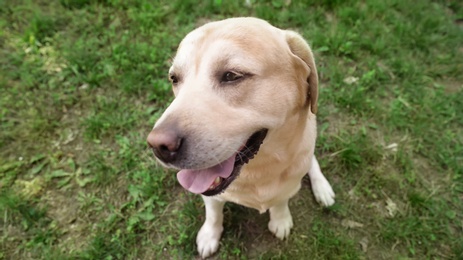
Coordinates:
(82, 82)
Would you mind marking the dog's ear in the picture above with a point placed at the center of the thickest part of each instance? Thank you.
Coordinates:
(301, 49)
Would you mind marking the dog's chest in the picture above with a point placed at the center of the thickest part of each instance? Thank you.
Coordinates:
(263, 184)
(262, 195)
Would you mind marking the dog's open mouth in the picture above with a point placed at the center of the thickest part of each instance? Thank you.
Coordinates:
(216, 179)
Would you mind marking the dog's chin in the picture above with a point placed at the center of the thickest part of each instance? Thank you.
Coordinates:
(216, 179)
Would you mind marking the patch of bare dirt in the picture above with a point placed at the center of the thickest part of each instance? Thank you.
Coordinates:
(451, 86)
(63, 209)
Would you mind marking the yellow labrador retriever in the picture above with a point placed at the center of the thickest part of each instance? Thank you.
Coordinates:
(242, 126)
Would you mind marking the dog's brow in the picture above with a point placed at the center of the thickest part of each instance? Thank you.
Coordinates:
(227, 63)
(224, 62)
(176, 69)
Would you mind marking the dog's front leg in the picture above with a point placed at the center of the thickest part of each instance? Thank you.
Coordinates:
(209, 234)
(320, 186)
(281, 221)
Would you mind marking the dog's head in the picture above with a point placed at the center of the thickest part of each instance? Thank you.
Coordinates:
(234, 81)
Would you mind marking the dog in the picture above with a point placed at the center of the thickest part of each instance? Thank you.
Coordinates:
(242, 126)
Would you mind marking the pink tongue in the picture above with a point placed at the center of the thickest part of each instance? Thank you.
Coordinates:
(198, 181)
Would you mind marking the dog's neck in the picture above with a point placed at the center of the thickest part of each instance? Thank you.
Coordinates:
(281, 146)
(284, 157)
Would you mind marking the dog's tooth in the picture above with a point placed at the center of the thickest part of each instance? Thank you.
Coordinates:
(216, 182)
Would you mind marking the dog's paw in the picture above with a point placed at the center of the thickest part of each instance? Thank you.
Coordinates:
(207, 239)
(323, 192)
(281, 227)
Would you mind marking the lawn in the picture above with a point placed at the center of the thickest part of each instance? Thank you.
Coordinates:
(82, 83)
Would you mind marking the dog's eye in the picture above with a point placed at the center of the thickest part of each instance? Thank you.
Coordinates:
(230, 76)
(173, 79)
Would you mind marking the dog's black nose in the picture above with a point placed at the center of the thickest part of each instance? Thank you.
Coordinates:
(165, 144)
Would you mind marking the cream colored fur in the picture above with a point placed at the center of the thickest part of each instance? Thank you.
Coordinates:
(281, 95)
